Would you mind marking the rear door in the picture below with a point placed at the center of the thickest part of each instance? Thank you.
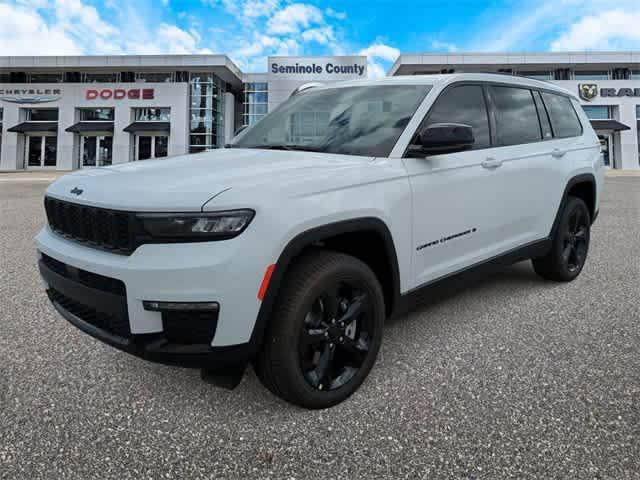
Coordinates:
(528, 171)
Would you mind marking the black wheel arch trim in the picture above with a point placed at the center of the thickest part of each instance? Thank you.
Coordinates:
(581, 178)
(309, 237)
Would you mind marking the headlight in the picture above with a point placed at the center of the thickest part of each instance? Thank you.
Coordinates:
(195, 226)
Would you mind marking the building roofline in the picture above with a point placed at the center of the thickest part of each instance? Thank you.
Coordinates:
(123, 61)
(515, 58)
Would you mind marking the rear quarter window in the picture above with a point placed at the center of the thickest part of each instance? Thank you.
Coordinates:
(563, 117)
(516, 116)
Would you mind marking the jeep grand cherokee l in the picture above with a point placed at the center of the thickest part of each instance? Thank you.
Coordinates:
(290, 247)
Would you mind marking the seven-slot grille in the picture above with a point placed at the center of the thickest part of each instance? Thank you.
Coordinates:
(97, 227)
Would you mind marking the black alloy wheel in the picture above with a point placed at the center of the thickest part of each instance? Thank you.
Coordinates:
(574, 251)
(336, 337)
(325, 332)
(569, 246)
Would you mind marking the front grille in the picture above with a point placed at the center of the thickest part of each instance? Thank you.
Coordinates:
(186, 328)
(97, 227)
(110, 323)
(89, 279)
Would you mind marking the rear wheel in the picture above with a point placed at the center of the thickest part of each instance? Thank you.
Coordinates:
(326, 331)
(568, 252)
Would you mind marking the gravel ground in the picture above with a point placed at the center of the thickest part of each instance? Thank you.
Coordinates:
(511, 377)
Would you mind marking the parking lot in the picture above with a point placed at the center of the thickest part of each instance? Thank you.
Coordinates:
(511, 377)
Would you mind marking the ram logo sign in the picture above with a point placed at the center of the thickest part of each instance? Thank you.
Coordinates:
(588, 91)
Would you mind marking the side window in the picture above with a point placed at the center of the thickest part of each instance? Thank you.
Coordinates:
(464, 104)
(564, 119)
(516, 116)
(542, 115)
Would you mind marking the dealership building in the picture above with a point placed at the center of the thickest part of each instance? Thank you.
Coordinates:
(74, 112)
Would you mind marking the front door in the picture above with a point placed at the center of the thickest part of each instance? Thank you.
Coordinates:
(606, 143)
(96, 150)
(151, 146)
(454, 197)
(41, 151)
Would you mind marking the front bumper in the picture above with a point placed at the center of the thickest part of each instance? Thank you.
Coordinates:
(103, 315)
(192, 272)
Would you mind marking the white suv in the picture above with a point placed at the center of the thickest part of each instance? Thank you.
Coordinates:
(290, 247)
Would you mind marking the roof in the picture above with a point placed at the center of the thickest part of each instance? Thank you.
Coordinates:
(515, 59)
(25, 127)
(91, 127)
(614, 125)
(148, 126)
(221, 64)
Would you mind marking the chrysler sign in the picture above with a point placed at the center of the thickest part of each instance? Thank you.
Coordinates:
(589, 91)
(121, 94)
(30, 95)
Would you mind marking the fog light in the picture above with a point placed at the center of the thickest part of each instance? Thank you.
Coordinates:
(183, 306)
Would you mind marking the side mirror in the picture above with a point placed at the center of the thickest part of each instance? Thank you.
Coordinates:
(443, 138)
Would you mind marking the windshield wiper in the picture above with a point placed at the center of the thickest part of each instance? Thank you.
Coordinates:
(287, 147)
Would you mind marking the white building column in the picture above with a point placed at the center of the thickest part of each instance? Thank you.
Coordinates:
(9, 154)
(629, 138)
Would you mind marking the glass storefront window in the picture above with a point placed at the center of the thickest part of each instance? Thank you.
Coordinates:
(206, 113)
(255, 108)
(255, 102)
(544, 75)
(597, 112)
(97, 114)
(42, 115)
(41, 151)
(155, 77)
(101, 77)
(46, 77)
(151, 146)
(152, 114)
(256, 87)
(591, 75)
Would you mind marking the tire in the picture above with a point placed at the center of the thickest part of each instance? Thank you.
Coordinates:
(570, 244)
(305, 358)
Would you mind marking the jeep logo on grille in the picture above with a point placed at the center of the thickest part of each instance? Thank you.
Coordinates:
(76, 191)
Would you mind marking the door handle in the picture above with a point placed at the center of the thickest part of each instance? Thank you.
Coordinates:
(491, 163)
(557, 153)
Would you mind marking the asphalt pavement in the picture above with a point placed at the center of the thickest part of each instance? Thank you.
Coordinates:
(511, 377)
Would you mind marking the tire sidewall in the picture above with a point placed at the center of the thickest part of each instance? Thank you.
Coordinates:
(573, 203)
(355, 273)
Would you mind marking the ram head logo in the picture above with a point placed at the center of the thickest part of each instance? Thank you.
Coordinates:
(588, 91)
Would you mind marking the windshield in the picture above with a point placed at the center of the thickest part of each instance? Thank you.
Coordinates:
(366, 120)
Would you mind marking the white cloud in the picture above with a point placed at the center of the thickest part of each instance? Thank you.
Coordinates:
(380, 50)
(259, 8)
(377, 54)
(71, 27)
(293, 18)
(334, 14)
(321, 35)
(25, 32)
(613, 29)
(443, 46)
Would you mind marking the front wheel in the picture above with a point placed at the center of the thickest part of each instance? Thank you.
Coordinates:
(570, 244)
(326, 330)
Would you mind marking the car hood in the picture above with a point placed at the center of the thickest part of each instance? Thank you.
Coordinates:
(188, 182)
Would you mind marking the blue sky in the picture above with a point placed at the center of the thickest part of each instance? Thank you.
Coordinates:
(248, 31)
